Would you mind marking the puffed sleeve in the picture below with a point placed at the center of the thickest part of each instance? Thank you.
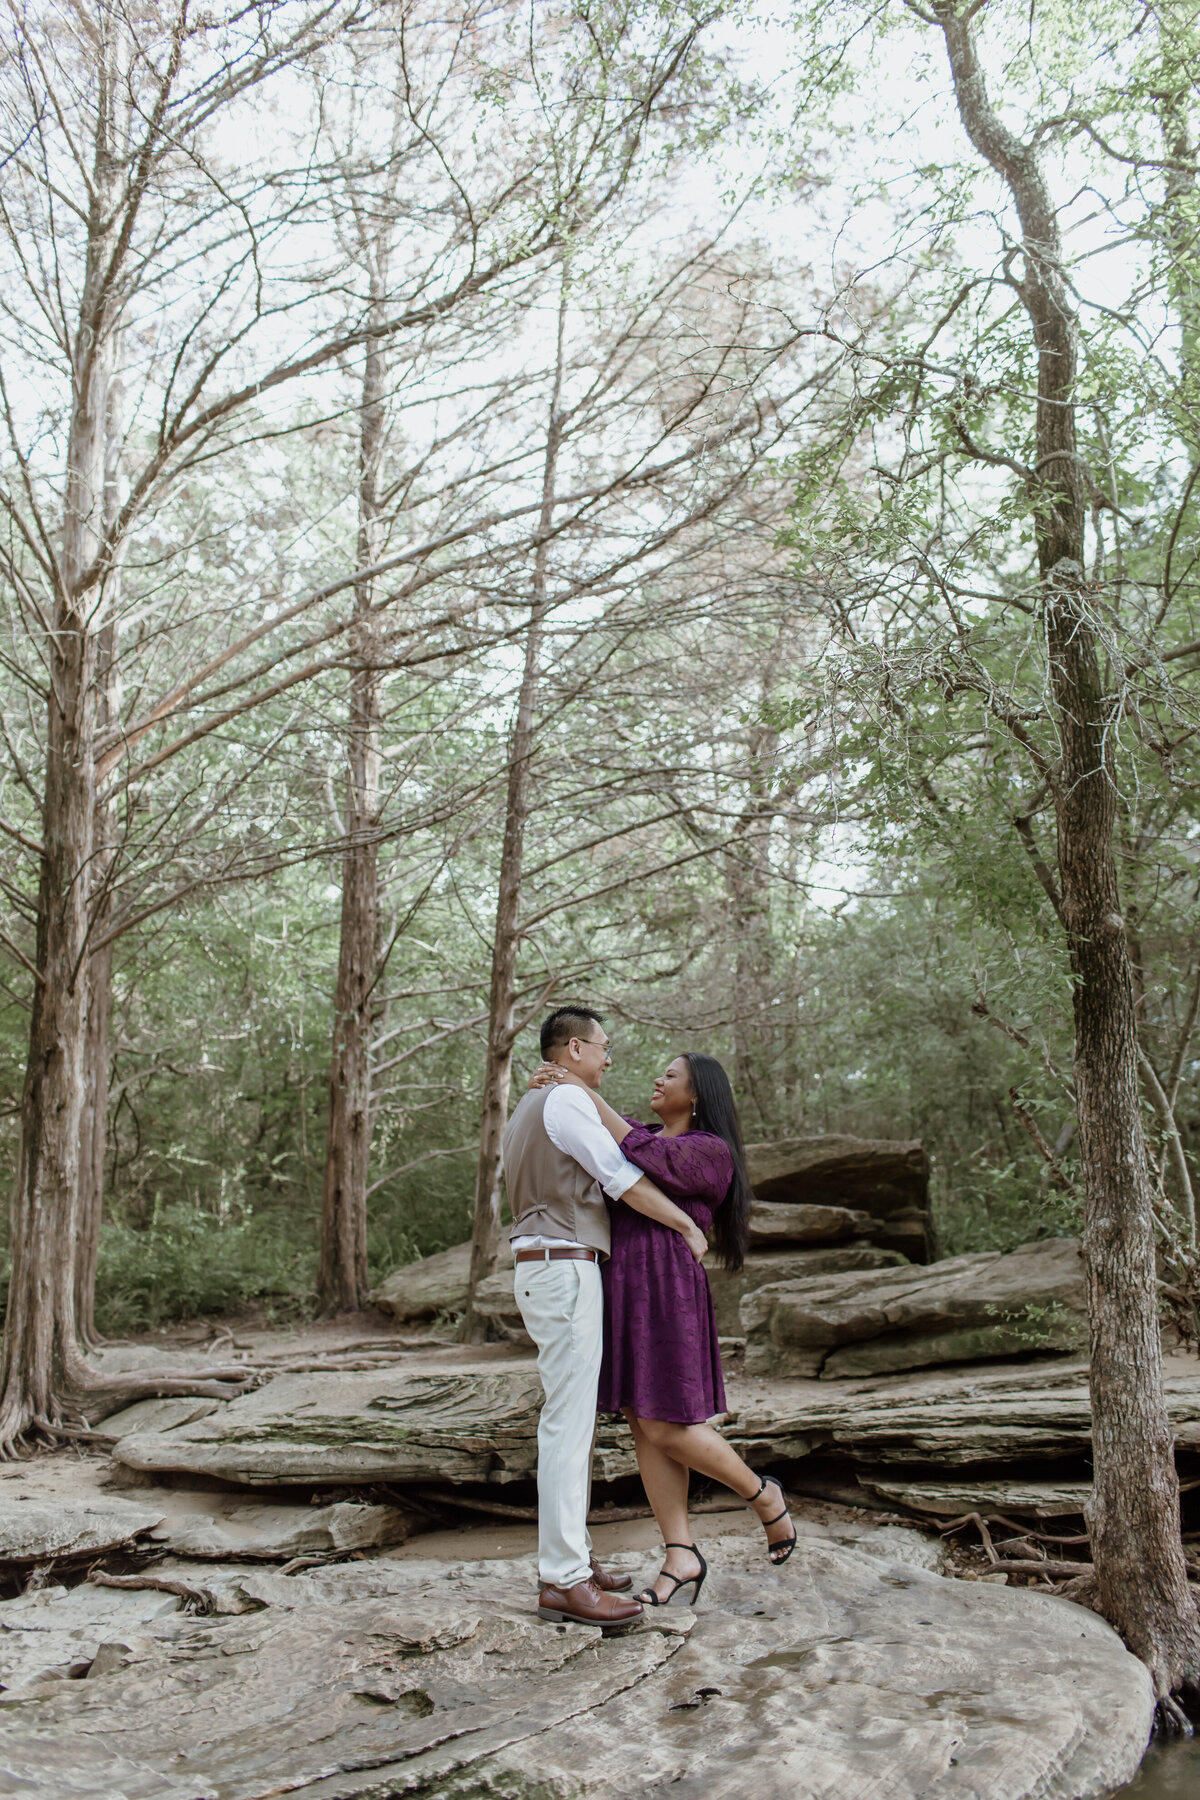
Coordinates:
(696, 1166)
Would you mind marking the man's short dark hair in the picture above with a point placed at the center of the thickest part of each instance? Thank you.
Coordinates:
(565, 1023)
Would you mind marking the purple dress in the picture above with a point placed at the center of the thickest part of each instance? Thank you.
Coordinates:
(661, 1356)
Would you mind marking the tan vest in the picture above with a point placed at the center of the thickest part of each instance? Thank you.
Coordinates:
(549, 1193)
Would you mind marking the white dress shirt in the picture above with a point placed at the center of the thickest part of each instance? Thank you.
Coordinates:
(573, 1126)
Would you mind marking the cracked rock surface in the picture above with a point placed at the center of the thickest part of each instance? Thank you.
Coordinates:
(846, 1672)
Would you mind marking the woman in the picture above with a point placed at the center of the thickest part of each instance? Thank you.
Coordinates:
(662, 1363)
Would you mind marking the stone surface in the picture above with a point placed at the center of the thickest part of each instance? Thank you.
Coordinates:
(55, 1632)
(776, 1222)
(220, 1525)
(764, 1266)
(961, 1310)
(157, 1415)
(465, 1422)
(951, 1499)
(885, 1177)
(478, 1422)
(495, 1302)
(421, 1290)
(841, 1674)
(497, 1305)
(1006, 1413)
(459, 1423)
(38, 1528)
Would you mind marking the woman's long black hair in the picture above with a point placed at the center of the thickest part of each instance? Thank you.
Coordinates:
(715, 1111)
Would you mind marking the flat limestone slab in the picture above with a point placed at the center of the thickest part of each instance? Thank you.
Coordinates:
(464, 1422)
(220, 1525)
(951, 1499)
(841, 1171)
(37, 1528)
(1010, 1412)
(841, 1674)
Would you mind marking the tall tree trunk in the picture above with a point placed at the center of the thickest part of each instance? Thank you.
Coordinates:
(497, 1078)
(41, 1356)
(1133, 1514)
(96, 1052)
(42, 1367)
(342, 1273)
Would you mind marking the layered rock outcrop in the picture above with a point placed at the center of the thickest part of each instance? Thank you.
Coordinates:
(885, 1178)
(844, 1203)
(965, 1309)
(477, 1423)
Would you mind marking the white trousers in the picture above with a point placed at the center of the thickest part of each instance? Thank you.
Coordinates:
(562, 1306)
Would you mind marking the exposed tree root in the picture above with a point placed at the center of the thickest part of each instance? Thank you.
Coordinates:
(163, 1584)
(86, 1388)
(1170, 1720)
(83, 1434)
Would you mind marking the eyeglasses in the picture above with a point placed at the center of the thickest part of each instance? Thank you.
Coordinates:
(597, 1045)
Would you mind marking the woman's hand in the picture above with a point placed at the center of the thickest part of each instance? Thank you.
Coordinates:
(696, 1242)
(552, 1075)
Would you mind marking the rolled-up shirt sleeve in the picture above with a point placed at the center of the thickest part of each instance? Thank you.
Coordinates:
(573, 1126)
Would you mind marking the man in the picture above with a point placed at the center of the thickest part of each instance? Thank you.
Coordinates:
(559, 1162)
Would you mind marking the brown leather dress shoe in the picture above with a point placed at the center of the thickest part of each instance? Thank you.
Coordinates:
(585, 1604)
(608, 1582)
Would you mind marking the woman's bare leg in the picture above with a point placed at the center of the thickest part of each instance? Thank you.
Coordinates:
(665, 1480)
(701, 1448)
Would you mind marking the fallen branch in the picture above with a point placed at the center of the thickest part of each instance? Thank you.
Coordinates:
(1032, 1566)
(527, 1515)
(1014, 1525)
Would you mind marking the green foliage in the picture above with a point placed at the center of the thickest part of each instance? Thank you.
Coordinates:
(186, 1263)
(998, 1207)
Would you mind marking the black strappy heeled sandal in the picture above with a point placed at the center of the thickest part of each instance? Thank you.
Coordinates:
(648, 1597)
(784, 1546)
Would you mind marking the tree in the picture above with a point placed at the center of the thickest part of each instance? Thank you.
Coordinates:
(600, 99)
(501, 1035)
(1069, 667)
(1133, 1512)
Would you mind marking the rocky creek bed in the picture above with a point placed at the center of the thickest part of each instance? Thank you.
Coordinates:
(308, 1632)
(326, 1585)
(856, 1669)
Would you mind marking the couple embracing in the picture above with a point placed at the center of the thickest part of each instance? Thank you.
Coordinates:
(609, 1235)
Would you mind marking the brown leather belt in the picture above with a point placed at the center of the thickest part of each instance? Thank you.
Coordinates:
(566, 1254)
